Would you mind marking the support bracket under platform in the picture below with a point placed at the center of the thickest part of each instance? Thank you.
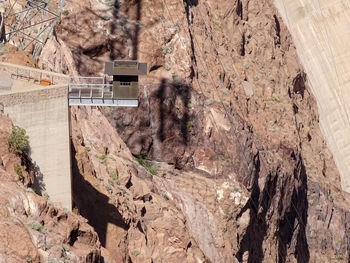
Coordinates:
(103, 102)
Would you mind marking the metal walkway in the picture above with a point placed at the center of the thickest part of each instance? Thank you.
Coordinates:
(93, 91)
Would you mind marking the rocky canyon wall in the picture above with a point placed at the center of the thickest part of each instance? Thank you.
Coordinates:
(232, 165)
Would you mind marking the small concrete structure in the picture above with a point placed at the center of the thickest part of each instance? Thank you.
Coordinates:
(43, 113)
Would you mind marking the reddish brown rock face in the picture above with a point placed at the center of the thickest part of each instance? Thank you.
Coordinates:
(242, 172)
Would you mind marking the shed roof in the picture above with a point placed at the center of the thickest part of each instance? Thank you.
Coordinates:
(125, 68)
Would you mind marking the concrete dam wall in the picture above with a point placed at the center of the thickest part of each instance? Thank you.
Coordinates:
(43, 113)
(321, 33)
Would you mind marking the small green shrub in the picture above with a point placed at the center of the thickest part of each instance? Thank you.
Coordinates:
(152, 169)
(66, 247)
(135, 252)
(18, 170)
(103, 157)
(114, 175)
(166, 49)
(126, 35)
(110, 182)
(177, 80)
(217, 24)
(37, 226)
(46, 195)
(18, 140)
(66, 12)
(189, 126)
(140, 159)
(148, 164)
(166, 197)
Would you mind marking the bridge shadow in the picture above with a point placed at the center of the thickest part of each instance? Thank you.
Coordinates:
(174, 119)
(93, 205)
(163, 114)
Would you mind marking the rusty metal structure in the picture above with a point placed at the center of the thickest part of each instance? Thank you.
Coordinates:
(29, 28)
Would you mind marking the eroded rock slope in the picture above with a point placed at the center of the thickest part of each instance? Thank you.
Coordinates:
(240, 169)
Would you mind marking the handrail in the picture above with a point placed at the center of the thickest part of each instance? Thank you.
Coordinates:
(91, 91)
(5, 64)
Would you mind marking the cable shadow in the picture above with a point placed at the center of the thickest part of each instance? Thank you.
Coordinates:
(135, 39)
(93, 205)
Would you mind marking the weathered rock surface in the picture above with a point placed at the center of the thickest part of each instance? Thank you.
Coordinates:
(242, 173)
(32, 230)
(121, 200)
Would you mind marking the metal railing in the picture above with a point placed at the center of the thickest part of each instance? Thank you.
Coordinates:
(32, 74)
(90, 91)
(89, 88)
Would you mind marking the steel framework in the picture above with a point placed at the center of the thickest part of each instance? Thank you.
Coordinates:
(31, 27)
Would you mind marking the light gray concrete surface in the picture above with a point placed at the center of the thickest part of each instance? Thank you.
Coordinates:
(43, 112)
(321, 33)
(47, 125)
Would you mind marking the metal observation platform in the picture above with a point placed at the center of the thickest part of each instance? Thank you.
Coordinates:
(121, 91)
(92, 91)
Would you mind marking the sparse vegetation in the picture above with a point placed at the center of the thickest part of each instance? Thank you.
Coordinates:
(140, 159)
(217, 24)
(152, 169)
(135, 252)
(177, 80)
(166, 197)
(18, 170)
(46, 195)
(167, 67)
(166, 49)
(228, 214)
(37, 226)
(114, 175)
(148, 164)
(110, 182)
(66, 247)
(18, 140)
(190, 126)
(75, 211)
(103, 157)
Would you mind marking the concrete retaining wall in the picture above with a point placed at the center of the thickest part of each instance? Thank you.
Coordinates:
(32, 74)
(44, 115)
